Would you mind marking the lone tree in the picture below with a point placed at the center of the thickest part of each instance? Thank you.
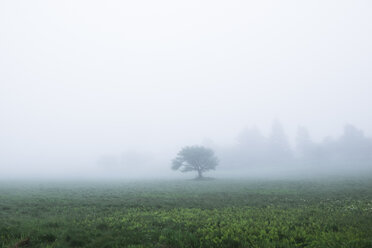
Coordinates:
(195, 158)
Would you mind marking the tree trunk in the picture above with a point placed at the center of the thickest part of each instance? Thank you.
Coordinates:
(199, 174)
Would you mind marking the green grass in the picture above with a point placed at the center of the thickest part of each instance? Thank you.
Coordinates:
(217, 213)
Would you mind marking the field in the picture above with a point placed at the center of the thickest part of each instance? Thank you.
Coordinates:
(186, 213)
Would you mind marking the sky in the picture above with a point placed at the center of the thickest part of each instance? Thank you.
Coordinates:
(81, 79)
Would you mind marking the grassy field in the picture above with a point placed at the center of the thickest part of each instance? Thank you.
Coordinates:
(218, 213)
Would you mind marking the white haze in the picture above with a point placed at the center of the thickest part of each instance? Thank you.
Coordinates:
(87, 84)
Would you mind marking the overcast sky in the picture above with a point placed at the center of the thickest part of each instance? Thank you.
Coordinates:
(79, 79)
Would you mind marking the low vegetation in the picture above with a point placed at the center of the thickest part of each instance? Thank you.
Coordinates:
(216, 213)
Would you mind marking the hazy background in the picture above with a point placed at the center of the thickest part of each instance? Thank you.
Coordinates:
(112, 88)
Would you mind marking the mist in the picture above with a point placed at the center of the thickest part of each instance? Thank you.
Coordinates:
(113, 89)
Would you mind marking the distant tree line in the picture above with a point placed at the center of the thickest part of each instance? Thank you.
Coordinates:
(352, 149)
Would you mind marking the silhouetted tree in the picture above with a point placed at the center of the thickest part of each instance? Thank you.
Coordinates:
(195, 158)
(304, 145)
(279, 149)
(353, 146)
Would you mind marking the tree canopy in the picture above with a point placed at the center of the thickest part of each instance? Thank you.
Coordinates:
(195, 158)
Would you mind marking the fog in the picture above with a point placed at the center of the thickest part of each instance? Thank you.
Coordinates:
(116, 88)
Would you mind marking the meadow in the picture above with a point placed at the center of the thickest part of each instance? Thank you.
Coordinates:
(326, 212)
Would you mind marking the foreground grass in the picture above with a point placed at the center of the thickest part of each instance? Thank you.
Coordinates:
(220, 213)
